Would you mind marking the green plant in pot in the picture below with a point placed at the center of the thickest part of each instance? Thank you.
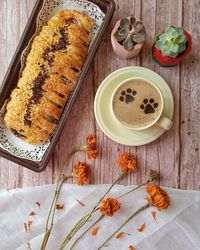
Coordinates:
(172, 46)
(128, 37)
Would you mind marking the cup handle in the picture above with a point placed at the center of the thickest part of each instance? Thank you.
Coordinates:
(164, 123)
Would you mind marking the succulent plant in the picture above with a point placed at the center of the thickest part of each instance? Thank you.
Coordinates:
(130, 32)
(172, 42)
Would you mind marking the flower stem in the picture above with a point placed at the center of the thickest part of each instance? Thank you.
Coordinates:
(77, 240)
(130, 218)
(83, 220)
(51, 214)
(133, 189)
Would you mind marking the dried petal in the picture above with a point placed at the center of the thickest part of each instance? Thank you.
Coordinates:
(37, 203)
(141, 228)
(95, 231)
(32, 214)
(131, 247)
(120, 235)
(81, 203)
(153, 214)
(29, 223)
(25, 227)
(60, 206)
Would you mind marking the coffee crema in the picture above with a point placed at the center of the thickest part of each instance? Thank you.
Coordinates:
(137, 103)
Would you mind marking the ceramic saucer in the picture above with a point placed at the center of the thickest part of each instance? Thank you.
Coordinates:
(106, 120)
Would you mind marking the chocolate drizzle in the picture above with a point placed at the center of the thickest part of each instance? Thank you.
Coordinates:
(49, 57)
(37, 93)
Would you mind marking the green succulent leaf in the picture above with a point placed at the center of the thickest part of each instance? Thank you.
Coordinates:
(132, 20)
(180, 30)
(166, 51)
(138, 38)
(119, 37)
(128, 44)
(181, 39)
(125, 24)
(174, 48)
(170, 30)
(139, 25)
(182, 48)
(159, 45)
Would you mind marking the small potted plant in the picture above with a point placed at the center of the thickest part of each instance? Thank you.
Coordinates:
(172, 46)
(128, 37)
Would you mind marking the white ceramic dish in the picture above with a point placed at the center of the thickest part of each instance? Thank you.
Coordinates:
(106, 120)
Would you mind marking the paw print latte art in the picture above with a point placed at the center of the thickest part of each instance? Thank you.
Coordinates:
(137, 103)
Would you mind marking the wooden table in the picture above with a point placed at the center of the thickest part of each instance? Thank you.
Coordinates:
(175, 154)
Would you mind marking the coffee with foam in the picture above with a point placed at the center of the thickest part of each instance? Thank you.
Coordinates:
(137, 103)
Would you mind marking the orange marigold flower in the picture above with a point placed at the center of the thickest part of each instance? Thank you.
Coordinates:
(131, 247)
(109, 206)
(90, 147)
(127, 162)
(82, 173)
(158, 197)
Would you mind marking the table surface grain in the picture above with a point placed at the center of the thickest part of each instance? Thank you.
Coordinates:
(175, 154)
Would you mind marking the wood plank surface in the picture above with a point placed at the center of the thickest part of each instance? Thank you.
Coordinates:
(175, 154)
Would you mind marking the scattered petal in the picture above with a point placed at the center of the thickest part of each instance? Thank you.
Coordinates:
(141, 228)
(81, 203)
(95, 231)
(120, 235)
(32, 214)
(131, 247)
(29, 223)
(38, 203)
(25, 227)
(60, 206)
(153, 214)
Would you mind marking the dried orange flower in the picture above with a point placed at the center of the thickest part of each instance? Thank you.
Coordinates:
(109, 206)
(32, 214)
(60, 206)
(141, 228)
(154, 175)
(95, 231)
(127, 162)
(82, 173)
(131, 247)
(158, 197)
(120, 235)
(90, 147)
(37, 203)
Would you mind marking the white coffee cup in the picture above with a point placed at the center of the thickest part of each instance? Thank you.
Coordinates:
(160, 120)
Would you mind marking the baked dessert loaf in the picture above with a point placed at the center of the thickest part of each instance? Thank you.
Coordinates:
(52, 68)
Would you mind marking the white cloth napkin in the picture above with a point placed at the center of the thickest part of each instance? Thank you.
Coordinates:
(177, 228)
